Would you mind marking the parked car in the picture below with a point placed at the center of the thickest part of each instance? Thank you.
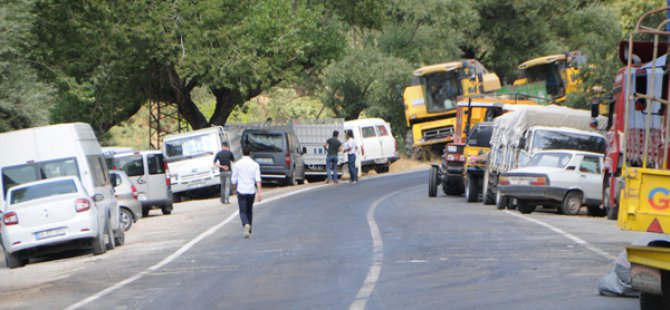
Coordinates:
(278, 152)
(126, 197)
(61, 150)
(562, 179)
(378, 148)
(49, 216)
(148, 172)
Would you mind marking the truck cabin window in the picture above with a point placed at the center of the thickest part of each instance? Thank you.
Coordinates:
(442, 89)
(549, 74)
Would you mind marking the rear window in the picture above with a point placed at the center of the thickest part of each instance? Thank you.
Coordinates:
(156, 164)
(38, 191)
(132, 165)
(382, 130)
(265, 142)
(20, 174)
(368, 132)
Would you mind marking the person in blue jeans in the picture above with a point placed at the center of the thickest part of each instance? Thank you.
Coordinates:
(350, 148)
(333, 146)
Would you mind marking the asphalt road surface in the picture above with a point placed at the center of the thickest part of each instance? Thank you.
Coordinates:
(378, 244)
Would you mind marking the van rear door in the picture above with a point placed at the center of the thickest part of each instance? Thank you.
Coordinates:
(386, 141)
(371, 145)
(133, 165)
(155, 180)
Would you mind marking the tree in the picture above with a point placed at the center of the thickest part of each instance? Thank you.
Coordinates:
(24, 99)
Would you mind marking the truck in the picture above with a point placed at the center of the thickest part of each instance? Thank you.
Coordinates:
(528, 130)
(637, 176)
(430, 101)
(189, 157)
(547, 79)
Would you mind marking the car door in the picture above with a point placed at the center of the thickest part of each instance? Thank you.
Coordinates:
(386, 141)
(590, 177)
(154, 177)
(371, 145)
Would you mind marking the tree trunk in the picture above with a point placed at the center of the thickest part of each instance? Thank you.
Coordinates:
(227, 100)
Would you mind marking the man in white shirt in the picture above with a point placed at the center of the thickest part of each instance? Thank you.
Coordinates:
(247, 177)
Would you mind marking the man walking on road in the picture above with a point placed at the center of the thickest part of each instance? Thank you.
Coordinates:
(247, 177)
(332, 146)
(224, 160)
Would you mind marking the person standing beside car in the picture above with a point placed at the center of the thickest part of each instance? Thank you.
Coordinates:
(224, 159)
(247, 177)
(350, 147)
(333, 146)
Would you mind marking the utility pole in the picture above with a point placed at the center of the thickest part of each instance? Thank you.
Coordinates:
(162, 118)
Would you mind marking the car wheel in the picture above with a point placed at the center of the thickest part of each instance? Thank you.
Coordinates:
(525, 207)
(98, 243)
(471, 189)
(14, 261)
(119, 237)
(290, 180)
(110, 235)
(166, 209)
(432, 182)
(382, 169)
(126, 219)
(501, 201)
(572, 203)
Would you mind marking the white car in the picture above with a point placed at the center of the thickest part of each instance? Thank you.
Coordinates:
(49, 216)
(563, 179)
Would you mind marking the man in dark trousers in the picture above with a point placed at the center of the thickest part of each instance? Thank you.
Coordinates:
(332, 146)
(247, 177)
(224, 160)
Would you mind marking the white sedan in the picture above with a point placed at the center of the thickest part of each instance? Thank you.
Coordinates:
(49, 216)
(563, 179)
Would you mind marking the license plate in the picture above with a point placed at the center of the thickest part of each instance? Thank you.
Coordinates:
(381, 161)
(646, 279)
(264, 160)
(50, 233)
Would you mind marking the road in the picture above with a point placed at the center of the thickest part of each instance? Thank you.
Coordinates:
(379, 244)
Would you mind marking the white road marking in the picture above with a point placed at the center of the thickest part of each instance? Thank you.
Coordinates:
(568, 235)
(178, 253)
(377, 259)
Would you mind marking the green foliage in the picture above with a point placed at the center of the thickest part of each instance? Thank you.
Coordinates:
(24, 99)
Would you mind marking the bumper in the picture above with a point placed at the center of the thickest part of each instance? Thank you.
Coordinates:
(380, 161)
(274, 172)
(209, 180)
(537, 193)
(17, 238)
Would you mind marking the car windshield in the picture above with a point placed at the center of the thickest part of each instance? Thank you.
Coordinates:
(190, 147)
(265, 142)
(441, 90)
(553, 160)
(15, 175)
(480, 136)
(556, 140)
(43, 190)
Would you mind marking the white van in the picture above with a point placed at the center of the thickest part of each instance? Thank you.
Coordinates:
(55, 151)
(190, 158)
(377, 146)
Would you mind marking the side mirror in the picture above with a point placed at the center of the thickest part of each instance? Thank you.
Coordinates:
(98, 197)
(115, 179)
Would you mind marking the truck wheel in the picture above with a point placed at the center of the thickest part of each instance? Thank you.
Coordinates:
(489, 197)
(453, 187)
(471, 189)
(126, 219)
(611, 210)
(14, 261)
(502, 201)
(432, 182)
(166, 209)
(651, 301)
(525, 207)
(572, 203)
